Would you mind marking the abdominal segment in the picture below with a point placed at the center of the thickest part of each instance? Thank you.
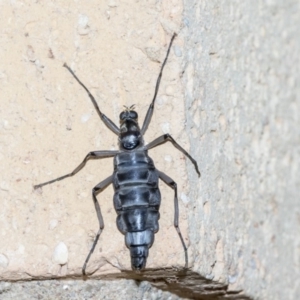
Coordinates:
(139, 225)
(137, 200)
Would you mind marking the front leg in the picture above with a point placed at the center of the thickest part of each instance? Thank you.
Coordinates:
(167, 137)
(91, 155)
(109, 123)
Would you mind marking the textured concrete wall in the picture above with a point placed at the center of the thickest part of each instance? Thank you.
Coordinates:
(242, 99)
(229, 91)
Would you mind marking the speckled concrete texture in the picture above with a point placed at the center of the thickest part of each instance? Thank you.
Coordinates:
(229, 95)
(242, 97)
(79, 290)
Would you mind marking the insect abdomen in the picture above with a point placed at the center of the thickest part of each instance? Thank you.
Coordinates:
(137, 201)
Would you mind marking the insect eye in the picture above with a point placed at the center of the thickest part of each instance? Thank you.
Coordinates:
(133, 114)
(123, 115)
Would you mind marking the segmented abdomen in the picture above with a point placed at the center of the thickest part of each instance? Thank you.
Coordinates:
(137, 201)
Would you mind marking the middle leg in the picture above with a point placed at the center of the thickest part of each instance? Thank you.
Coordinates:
(167, 137)
(90, 155)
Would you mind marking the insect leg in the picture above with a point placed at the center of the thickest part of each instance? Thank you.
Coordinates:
(91, 155)
(96, 190)
(151, 107)
(109, 123)
(169, 181)
(167, 137)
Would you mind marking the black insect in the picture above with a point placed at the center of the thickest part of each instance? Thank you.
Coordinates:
(135, 180)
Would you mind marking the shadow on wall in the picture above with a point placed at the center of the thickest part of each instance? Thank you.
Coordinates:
(184, 283)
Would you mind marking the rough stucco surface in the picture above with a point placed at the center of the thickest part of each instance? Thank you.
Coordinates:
(229, 95)
(73, 290)
(50, 124)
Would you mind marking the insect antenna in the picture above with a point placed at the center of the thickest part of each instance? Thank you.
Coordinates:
(127, 108)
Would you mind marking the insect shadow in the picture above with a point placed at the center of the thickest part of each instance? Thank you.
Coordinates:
(135, 180)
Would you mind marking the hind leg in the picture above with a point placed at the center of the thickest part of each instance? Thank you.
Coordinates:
(169, 181)
(96, 190)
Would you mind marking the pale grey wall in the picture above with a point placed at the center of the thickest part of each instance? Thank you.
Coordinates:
(243, 115)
